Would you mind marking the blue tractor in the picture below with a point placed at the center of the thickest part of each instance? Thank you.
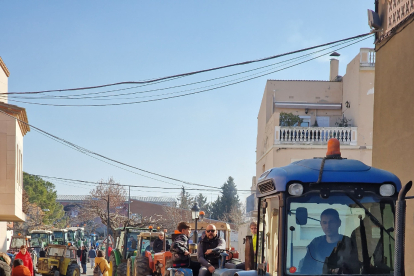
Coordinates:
(326, 216)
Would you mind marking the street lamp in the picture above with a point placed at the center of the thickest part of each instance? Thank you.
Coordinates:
(195, 211)
(107, 225)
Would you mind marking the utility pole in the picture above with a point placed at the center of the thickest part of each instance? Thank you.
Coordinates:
(107, 231)
(129, 200)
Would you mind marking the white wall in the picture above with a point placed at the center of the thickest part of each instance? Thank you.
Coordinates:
(3, 236)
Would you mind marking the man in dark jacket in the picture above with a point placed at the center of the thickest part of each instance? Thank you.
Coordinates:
(78, 254)
(180, 251)
(206, 257)
(83, 259)
(159, 243)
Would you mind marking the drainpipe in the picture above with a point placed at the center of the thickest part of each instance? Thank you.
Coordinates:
(400, 208)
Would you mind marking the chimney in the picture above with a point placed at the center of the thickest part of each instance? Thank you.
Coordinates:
(334, 69)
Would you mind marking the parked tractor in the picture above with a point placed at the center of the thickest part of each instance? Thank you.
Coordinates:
(60, 236)
(126, 247)
(76, 236)
(59, 260)
(19, 240)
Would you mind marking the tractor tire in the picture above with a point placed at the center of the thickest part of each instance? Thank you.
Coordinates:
(141, 266)
(73, 270)
(121, 269)
(130, 269)
(112, 263)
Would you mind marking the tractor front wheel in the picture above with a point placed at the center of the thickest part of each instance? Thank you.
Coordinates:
(141, 266)
(73, 270)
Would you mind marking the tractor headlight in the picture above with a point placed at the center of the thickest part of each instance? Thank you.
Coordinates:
(295, 189)
(387, 190)
(179, 273)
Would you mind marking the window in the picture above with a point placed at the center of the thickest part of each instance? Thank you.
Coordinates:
(269, 229)
(337, 236)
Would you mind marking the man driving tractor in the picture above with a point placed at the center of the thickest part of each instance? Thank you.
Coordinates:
(208, 259)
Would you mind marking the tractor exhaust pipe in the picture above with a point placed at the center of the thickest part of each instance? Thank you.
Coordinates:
(400, 208)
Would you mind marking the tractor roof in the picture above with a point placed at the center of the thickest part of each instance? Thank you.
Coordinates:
(60, 230)
(41, 231)
(56, 246)
(148, 234)
(334, 171)
(201, 225)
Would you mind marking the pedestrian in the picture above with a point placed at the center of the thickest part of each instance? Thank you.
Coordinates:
(109, 251)
(42, 253)
(101, 263)
(19, 269)
(78, 254)
(92, 256)
(24, 255)
(83, 259)
(5, 269)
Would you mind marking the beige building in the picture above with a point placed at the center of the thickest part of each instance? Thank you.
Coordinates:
(323, 106)
(11, 158)
(393, 148)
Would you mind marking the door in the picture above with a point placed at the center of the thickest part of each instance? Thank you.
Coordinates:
(323, 121)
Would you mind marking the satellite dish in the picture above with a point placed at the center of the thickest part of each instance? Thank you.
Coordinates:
(373, 20)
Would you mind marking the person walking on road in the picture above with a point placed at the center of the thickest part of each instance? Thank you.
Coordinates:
(101, 263)
(24, 255)
(78, 254)
(92, 256)
(19, 269)
(84, 258)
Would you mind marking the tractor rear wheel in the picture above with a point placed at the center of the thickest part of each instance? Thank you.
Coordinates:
(121, 269)
(141, 266)
(73, 270)
(112, 264)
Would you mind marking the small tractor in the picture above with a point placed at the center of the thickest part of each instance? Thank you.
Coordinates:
(19, 240)
(59, 260)
(60, 236)
(126, 247)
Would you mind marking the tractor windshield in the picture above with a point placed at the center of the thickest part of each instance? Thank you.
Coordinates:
(340, 235)
(38, 239)
(132, 242)
(17, 242)
(58, 235)
(54, 251)
(71, 235)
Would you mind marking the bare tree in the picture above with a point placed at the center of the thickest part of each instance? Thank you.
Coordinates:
(96, 206)
(34, 216)
(173, 216)
(236, 216)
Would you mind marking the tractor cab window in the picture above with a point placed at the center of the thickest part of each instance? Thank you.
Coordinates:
(56, 252)
(339, 235)
(71, 236)
(147, 244)
(38, 239)
(267, 239)
(58, 235)
(132, 242)
(17, 242)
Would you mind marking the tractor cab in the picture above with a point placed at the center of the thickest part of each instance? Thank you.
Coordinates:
(146, 242)
(76, 236)
(60, 236)
(40, 238)
(59, 260)
(323, 216)
(17, 241)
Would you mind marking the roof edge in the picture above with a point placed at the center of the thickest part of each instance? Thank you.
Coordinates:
(4, 67)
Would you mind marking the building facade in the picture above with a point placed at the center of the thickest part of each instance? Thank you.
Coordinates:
(12, 131)
(394, 93)
(341, 107)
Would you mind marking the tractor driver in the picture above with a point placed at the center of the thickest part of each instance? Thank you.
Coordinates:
(206, 257)
(322, 247)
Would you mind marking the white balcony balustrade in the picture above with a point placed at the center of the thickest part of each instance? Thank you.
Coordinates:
(367, 57)
(315, 135)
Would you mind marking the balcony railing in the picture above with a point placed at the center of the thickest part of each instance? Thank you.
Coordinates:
(367, 57)
(315, 135)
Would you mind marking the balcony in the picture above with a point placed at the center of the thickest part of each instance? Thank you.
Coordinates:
(367, 57)
(315, 135)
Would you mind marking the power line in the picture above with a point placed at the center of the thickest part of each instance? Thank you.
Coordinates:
(92, 183)
(85, 151)
(182, 95)
(78, 96)
(194, 72)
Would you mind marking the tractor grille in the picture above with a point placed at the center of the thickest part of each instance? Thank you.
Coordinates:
(42, 265)
(266, 186)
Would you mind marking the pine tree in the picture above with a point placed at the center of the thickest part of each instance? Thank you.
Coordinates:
(185, 201)
(227, 201)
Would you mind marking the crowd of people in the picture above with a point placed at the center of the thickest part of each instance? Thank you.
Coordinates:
(22, 264)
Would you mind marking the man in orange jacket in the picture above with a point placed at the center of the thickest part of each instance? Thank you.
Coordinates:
(19, 269)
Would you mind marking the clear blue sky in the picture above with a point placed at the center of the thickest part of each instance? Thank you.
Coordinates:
(203, 138)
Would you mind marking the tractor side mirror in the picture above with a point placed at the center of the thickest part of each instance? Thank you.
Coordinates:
(301, 216)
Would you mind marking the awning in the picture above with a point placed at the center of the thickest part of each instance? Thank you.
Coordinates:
(299, 105)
